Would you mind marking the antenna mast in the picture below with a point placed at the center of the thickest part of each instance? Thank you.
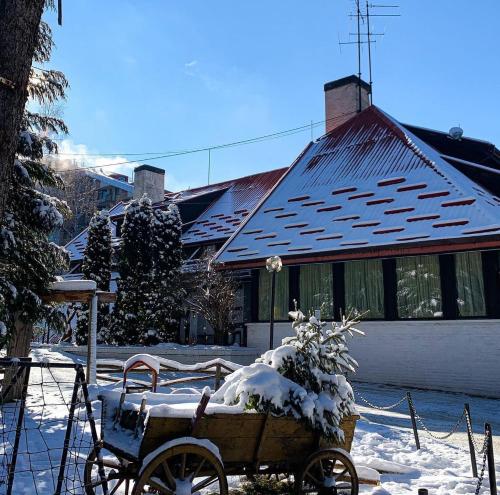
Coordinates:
(369, 35)
(358, 15)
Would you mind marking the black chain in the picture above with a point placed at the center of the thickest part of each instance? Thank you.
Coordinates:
(433, 435)
(480, 478)
(381, 408)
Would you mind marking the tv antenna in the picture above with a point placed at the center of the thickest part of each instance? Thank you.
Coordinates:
(366, 37)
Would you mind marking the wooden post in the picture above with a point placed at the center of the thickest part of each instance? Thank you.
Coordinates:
(92, 341)
(413, 419)
(491, 460)
(217, 376)
(472, 450)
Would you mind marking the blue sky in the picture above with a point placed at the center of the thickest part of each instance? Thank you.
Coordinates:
(162, 75)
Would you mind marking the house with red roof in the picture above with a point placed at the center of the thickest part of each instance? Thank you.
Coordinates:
(395, 223)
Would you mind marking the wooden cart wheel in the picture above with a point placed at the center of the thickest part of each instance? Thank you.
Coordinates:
(328, 472)
(116, 471)
(184, 469)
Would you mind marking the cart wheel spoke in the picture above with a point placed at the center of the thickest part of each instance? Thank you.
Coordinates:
(183, 466)
(158, 484)
(321, 469)
(198, 469)
(309, 475)
(203, 484)
(168, 474)
(340, 475)
(116, 487)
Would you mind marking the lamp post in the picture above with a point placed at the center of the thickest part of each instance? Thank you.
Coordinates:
(273, 265)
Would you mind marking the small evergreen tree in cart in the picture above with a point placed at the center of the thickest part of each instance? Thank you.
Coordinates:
(167, 292)
(132, 311)
(96, 266)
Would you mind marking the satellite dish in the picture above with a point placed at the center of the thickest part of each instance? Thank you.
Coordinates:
(456, 133)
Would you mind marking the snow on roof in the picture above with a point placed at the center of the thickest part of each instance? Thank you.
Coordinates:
(111, 181)
(225, 214)
(369, 182)
(73, 285)
(76, 246)
(218, 222)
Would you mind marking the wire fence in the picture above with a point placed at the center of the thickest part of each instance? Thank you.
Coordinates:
(47, 427)
(484, 448)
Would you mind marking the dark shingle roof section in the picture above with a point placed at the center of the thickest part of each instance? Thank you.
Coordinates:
(223, 217)
(378, 184)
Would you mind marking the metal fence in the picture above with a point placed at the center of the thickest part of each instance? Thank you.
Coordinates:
(47, 427)
(483, 448)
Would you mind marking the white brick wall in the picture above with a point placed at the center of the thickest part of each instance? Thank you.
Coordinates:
(458, 356)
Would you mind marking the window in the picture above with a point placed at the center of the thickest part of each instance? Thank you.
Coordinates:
(470, 285)
(316, 290)
(418, 287)
(364, 288)
(281, 299)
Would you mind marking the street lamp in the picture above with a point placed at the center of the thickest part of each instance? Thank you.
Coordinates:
(273, 265)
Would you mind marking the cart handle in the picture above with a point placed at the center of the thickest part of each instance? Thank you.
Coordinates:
(200, 410)
(138, 364)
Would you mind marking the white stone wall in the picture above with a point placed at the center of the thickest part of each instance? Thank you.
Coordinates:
(182, 354)
(458, 356)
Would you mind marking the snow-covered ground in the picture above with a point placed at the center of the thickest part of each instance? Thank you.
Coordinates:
(383, 439)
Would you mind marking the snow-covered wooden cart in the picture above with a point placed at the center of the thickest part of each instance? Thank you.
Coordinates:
(183, 444)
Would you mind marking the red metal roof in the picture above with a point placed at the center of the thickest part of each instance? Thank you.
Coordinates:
(368, 183)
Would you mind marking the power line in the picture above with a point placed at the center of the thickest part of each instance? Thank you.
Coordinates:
(265, 137)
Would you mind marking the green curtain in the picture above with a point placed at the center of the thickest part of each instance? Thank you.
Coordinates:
(364, 288)
(418, 287)
(281, 301)
(470, 285)
(316, 289)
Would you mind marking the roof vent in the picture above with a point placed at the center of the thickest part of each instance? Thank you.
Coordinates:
(456, 133)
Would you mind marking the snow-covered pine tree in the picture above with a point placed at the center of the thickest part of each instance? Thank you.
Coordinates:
(131, 317)
(96, 266)
(166, 284)
(303, 378)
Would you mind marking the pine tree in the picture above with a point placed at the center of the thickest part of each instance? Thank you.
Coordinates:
(96, 266)
(28, 260)
(132, 312)
(303, 378)
(167, 291)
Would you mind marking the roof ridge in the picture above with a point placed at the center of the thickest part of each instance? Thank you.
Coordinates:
(236, 179)
(437, 163)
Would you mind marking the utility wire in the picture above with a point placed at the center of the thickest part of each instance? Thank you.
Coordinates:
(159, 156)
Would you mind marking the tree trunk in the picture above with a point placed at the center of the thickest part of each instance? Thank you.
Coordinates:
(19, 23)
(18, 346)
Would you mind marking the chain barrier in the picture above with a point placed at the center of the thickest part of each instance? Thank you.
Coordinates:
(483, 449)
(480, 478)
(433, 435)
(381, 408)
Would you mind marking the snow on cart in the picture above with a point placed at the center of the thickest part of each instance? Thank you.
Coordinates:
(290, 413)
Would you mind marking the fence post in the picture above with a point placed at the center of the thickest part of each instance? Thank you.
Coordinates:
(491, 460)
(67, 436)
(93, 430)
(217, 376)
(20, 420)
(472, 450)
(413, 419)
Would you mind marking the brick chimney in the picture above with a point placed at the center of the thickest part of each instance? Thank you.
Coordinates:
(342, 100)
(149, 180)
